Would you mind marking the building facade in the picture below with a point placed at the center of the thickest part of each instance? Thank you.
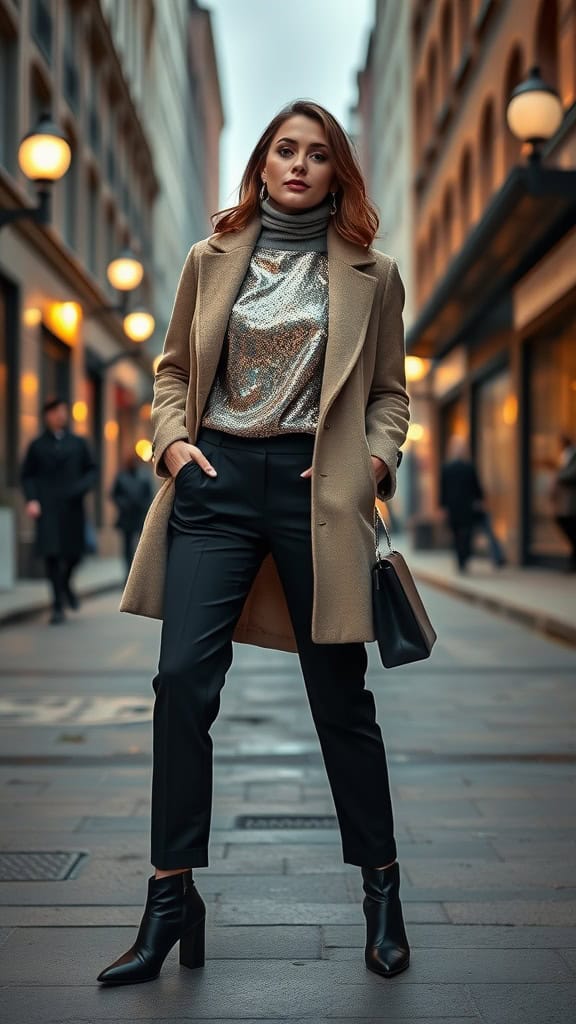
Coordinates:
(383, 134)
(134, 86)
(495, 255)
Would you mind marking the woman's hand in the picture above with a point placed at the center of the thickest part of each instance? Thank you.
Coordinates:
(380, 468)
(33, 509)
(179, 453)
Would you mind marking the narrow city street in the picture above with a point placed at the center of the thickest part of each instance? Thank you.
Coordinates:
(481, 743)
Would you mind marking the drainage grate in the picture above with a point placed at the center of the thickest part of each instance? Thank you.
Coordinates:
(38, 867)
(295, 821)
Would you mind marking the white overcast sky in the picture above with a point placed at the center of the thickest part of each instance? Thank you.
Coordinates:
(272, 51)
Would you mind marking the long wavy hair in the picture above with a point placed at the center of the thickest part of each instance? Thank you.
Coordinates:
(356, 218)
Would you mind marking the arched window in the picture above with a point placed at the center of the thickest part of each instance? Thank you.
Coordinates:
(546, 41)
(448, 223)
(463, 9)
(446, 35)
(433, 250)
(513, 75)
(465, 189)
(486, 152)
(432, 76)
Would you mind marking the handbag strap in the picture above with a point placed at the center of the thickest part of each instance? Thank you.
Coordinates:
(379, 521)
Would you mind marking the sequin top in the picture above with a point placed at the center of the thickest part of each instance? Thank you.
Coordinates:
(270, 372)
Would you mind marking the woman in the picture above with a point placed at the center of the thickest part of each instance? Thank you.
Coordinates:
(279, 410)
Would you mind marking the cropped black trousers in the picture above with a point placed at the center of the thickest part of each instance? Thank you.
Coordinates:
(219, 531)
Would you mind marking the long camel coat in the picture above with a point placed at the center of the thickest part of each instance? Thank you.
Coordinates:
(363, 410)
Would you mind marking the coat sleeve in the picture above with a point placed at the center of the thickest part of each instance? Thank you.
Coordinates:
(89, 474)
(28, 473)
(168, 415)
(387, 410)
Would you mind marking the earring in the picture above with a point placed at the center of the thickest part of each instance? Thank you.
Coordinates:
(333, 206)
(264, 191)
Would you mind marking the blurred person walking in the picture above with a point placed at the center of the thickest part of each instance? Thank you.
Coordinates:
(57, 472)
(278, 416)
(461, 495)
(131, 493)
(563, 496)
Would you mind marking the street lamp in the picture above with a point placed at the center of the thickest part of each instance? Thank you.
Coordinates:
(534, 112)
(44, 156)
(125, 273)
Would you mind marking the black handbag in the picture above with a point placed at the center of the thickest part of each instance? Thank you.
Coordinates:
(401, 625)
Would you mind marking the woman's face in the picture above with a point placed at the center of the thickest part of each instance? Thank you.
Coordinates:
(299, 171)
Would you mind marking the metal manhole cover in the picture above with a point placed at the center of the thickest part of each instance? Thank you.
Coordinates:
(57, 866)
(295, 821)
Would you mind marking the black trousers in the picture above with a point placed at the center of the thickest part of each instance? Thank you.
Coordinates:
(59, 571)
(219, 531)
(462, 537)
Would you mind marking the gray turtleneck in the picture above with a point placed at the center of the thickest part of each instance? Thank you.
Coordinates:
(270, 372)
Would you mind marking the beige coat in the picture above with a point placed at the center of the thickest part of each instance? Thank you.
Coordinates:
(363, 411)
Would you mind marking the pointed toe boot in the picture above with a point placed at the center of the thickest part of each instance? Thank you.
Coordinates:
(175, 911)
(387, 950)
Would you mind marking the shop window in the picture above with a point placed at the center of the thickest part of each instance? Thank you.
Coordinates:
(55, 367)
(495, 416)
(552, 411)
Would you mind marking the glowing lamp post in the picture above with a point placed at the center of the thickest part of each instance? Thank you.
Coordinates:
(44, 156)
(534, 112)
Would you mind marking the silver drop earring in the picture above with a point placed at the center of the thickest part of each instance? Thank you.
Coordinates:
(264, 191)
(333, 207)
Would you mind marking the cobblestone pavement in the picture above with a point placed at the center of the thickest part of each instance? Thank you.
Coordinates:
(482, 751)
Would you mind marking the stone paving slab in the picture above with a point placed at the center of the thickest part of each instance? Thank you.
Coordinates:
(473, 936)
(263, 912)
(525, 1004)
(249, 989)
(535, 912)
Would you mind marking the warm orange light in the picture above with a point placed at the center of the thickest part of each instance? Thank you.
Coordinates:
(32, 316)
(156, 363)
(510, 410)
(415, 432)
(79, 412)
(416, 368)
(63, 318)
(125, 272)
(143, 449)
(44, 153)
(29, 384)
(111, 430)
(139, 325)
(145, 411)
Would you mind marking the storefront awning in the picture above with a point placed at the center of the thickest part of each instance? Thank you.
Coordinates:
(533, 210)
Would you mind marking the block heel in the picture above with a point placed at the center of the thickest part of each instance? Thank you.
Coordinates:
(192, 945)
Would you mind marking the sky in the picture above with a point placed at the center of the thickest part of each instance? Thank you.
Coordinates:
(272, 51)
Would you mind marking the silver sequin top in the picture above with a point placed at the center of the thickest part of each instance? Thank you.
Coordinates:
(270, 372)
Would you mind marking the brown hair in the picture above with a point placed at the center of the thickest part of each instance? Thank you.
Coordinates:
(356, 218)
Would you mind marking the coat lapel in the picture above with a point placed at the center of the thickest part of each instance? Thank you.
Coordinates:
(350, 297)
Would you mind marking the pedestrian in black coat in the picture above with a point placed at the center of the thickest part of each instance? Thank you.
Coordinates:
(461, 495)
(57, 471)
(132, 494)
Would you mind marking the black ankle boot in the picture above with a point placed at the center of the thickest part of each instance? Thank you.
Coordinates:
(174, 910)
(387, 950)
